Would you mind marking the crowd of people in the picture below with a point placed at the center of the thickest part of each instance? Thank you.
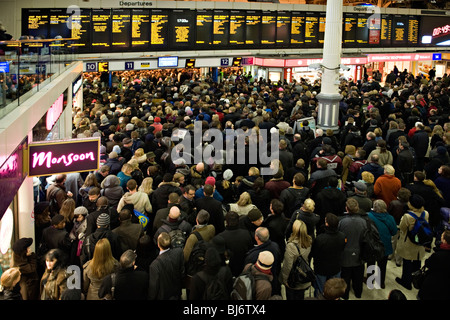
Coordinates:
(137, 226)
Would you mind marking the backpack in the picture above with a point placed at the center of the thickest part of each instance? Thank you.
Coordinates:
(421, 234)
(53, 202)
(196, 260)
(296, 204)
(372, 248)
(244, 285)
(301, 272)
(215, 289)
(177, 237)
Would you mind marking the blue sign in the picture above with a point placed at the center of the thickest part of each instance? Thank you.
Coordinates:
(437, 56)
(91, 67)
(129, 65)
(4, 67)
(224, 62)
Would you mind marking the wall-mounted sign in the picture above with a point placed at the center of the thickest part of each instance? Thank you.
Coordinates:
(63, 156)
(54, 112)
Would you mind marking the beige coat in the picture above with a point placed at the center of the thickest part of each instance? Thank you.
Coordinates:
(241, 210)
(91, 284)
(290, 255)
(405, 248)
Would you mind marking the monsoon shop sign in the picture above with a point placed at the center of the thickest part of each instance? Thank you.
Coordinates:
(63, 156)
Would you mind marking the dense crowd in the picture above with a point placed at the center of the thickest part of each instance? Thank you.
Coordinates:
(138, 224)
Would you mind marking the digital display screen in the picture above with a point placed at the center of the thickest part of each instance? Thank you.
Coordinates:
(297, 28)
(237, 62)
(253, 28)
(283, 28)
(374, 29)
(101, 29)
(311, 28)
(204, 25)
(386, 30)
(36, 23)
(268, 28)
(362, 29)
(120, 28)
(58, 23)
(140, 28)
(167, 62)
(189, 64)
(159, 29)
(322, 19)
(435, 31)
(81, 25)
(237, 28)
(182, 28)
(349, 28)
(413, 30)
(399, 30)
(221, 27)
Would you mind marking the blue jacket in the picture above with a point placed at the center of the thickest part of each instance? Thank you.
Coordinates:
(387, 228)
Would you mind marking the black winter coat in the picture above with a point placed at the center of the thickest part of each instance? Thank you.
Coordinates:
(437, 282)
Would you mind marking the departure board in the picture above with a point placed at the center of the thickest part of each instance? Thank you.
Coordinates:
(321, 35)
(311, 28)
(297, 28)
(58, 19)
(413, 30)
(374, 29)
(36, 23)
(283, 28)
(81, 25)
(362, 29)
(237, 28)
(253, 28)
(268, 27)
(120, 28)
(101, 29)
(399, 30)
(204, 25)
(386, 30)
(182, 28)
(221, 27)
(349, 28)
(140, 29)
(159, 29)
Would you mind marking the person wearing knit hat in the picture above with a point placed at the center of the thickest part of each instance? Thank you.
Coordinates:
(227, 174)
(211, 181)
(265, 260)
(103, 220)
(255, 216)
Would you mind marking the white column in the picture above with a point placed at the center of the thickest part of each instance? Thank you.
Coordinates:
(25, 221)
(329, 96)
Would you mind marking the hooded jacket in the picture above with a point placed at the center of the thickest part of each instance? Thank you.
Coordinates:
(112, 190)
(138, 199)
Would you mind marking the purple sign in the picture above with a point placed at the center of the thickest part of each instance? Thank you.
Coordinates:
(63, 156)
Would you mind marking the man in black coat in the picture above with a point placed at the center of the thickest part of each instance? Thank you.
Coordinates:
(330, 199)
(405, 163)
(263, 243)
(56, 236)
(166, 272)
(160, 196)
(285, 156)
(102, 207)
(129, 283)
(237, 242)
(420, 142)
(213, 206)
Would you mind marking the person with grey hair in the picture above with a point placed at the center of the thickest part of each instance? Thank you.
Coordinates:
(387, 228)
(264, 243)
(128, 283)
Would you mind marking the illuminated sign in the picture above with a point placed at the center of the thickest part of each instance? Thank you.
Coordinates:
(237, 62)
(399, 57)
(103, 67)
(63, 156)
(167, 62)
(54, 112)
(76, 85)
(4, 67)
(190, 63)
(441, 31)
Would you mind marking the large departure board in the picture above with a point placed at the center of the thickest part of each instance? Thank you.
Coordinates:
(221, 27)
(204, 25)
(253, 28)
(58, 20)
(159, 29)
(101, 29)
(399, 30)
(283, 28)
(140, 29)
(268, 27)
(182, 28)
(120, 29)
(144, 29)
(311, 28)
(237, 28)
(297, 28)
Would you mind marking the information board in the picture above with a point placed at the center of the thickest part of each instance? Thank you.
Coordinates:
(101, 29)
(81, 26)
(204, 27)
(120, 29)
(237, 28)
(58, 23)
(268, 28)
(159, 29)
(182, 29)
(221, 27)
(349, 28)
(386, 30)
(399, 30)
(413, 30)
(253, 28)
(362, 29)
(283, 28)
(140, 29)
(297, 28)
(311, 28)
(36, 22)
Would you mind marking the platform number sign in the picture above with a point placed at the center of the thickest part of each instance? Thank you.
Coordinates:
(129, 65)
(224, 62)
(91, 67)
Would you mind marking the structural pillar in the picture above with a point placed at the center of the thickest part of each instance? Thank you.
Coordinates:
(329, 97)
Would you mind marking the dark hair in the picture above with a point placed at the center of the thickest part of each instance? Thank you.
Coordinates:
(396, 294)
(131, 184)
(168, 177)
(333, 181)
(59, 256)
(419, 175)
(124, 214)
(208, 190)
(332, 221)
(94, 191)
(445, 171)
(277, 206)
(232, 219)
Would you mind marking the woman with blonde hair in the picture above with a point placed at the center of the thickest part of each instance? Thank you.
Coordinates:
(243, 205)
(307, 215)
(368, 178)
(147, 186)
(299, 243)
(95, 270)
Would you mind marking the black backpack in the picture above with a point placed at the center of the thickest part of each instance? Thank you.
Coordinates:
(53, 203)
(244, 286)
(177, 237)
(215, 289)
(372, 248)
(196, 260)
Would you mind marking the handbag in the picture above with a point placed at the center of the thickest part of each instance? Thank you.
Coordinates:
(301, 272)
(418, 277)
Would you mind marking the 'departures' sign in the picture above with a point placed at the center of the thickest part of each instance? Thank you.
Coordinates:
(63, 156)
